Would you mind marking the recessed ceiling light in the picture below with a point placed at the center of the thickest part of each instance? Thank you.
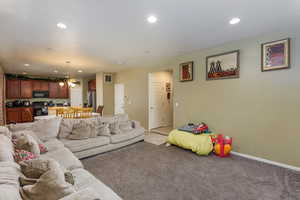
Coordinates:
(55, 71)
(61, 25)
(235, 20)
(80, 71)
(26, 65)
(152, 19)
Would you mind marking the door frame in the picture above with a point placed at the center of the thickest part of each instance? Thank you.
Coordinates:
(172, 95)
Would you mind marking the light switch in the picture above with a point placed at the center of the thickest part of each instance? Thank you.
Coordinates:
(176, 104)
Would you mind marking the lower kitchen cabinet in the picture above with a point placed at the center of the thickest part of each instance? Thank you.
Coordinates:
(19, 115)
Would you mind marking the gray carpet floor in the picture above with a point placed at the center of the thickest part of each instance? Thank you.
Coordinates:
(148, 172)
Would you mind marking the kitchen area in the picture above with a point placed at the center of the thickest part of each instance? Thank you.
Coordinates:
(27, 97)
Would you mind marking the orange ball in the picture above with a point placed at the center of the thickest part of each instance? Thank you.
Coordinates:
(227, 149)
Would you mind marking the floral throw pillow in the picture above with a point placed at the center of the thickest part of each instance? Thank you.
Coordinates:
(22, 155)
(43, 148)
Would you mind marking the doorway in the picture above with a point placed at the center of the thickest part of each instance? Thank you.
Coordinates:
(119, 99)
(160, 106)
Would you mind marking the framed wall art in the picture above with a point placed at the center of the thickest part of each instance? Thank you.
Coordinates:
(223, 66)
(186, 71)
(275, 55)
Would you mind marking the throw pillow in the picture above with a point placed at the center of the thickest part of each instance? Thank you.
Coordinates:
(103, 130)
(43, 148)
(34, 168)
(115, 128)
(21, 155)
(126, 126)
(66, 127)
(47, 129)
(27, 143)
(93, 125)
(80, 131)
(50, 186)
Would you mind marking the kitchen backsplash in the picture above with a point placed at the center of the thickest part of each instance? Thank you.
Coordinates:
(55, 101)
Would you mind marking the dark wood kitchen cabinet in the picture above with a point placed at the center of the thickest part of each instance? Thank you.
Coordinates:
(53, 89)
(26, 89)
(13, 115)
(26, 114)
(40, 85)
(63, 92)
(57, 91)
(92, 85)
(19, 115)
(13, 89)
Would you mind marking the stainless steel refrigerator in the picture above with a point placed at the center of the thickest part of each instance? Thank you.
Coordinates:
(92, 100)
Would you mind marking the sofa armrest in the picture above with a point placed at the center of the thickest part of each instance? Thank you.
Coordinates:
(136, 124)
(86, 194)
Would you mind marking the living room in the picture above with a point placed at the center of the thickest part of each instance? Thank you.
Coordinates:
(230, 66)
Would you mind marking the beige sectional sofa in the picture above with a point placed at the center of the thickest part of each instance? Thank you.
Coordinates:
(66, 153)
(100, 144)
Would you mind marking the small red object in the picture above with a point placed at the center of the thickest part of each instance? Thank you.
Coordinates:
(222, 141)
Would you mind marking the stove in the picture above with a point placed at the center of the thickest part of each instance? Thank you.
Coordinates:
(40, 108)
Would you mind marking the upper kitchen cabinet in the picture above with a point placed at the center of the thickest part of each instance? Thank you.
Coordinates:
(63, 91)
(38, 85)
(13, 89)
(26, 89)
(53, 90)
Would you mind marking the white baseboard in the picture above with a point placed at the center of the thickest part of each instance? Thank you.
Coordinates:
(267, 161)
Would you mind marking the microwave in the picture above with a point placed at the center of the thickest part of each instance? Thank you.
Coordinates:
(40, 94)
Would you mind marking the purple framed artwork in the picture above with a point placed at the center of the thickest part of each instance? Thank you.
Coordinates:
(275, 55)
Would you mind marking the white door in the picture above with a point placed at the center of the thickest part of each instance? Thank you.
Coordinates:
(76, 96)
(119, 99)
(159, 105)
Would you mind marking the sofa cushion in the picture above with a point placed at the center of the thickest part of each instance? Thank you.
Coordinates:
(84, 180)
(47, 129)
(6, 149)
(21, 127)
(81, 145)
(9, 181)
(85, 194)
(126, 135)
(64, 157)
(5, 131)
(54, 144)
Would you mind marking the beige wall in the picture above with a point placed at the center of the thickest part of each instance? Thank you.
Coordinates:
(109, 97)
(259, 110)
(136, 92)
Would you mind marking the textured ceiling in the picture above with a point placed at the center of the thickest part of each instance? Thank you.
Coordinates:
(101, 34)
